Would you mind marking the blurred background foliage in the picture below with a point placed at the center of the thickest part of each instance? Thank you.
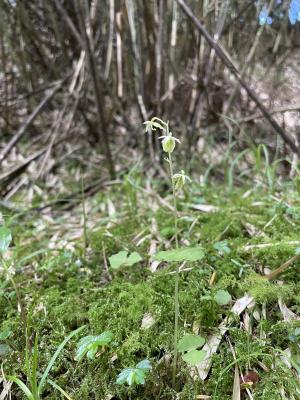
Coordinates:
(79, 77)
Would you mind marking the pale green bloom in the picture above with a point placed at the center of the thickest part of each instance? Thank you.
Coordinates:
(180, 179)
(152, 125)
(168, 142)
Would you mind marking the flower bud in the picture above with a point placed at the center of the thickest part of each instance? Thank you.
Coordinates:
(168, 144)
(180, 179)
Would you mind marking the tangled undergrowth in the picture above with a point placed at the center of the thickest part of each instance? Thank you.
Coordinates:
(245, 234)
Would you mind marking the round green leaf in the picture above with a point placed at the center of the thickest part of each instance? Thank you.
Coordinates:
(194, 357)
(118, 259)
(133, 259)
(222, 297)
(190, 342)
(180, 255)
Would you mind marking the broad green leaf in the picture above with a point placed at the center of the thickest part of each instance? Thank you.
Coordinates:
(131, 377)
(194, 357)
(144, 365)
(5, 239)
(4, 349)
(190, 342)
(5, 334)
(139, 376)
(133, 259)
(89, 345)
(222, 297)
(123, 375)
(181, 254)
(122, 259)
(118, 259)
(297, 332)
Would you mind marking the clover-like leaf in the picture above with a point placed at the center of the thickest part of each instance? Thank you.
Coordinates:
(5, 334)
(5, 239)
(134, 376)
(89, 345)
(190, 342)
(194, 357)
(222, 297)
(122, 259)
(181, 254)
(4, 349)
(144, 365)
(222, 247)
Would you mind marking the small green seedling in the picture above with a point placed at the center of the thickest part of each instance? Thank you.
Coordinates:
(134, 376)
(222, 247)
(89, 345)
(124, 259)
(294, 337)
(222, 297)
(242, 266)
(189, 345)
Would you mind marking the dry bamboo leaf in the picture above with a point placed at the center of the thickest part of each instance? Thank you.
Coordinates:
(236, 392)
(287, 314)
(204, 207)
(147, 321)
(214, 341)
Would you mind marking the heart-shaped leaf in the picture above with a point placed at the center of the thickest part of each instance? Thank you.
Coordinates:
(133, 259)
(194, 357)
(190, 342)
(122, 259)
(222, 297)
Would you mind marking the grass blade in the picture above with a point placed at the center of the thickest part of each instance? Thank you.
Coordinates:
(54, 357)
(57, 387)
(22, 386)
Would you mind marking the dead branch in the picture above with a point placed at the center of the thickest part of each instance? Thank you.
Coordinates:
(228, 63)
(15, 139)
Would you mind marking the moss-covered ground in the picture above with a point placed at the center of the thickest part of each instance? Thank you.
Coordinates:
(69, 287)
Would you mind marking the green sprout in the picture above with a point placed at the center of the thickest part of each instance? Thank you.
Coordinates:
(89, 345)
(134, 376)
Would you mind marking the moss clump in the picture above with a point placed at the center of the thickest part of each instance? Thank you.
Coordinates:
(264, 291)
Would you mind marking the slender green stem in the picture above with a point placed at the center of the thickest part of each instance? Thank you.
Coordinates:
(85, 240)
(176, 290)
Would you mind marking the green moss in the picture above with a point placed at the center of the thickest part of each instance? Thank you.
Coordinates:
(61, 296)
(264, 291)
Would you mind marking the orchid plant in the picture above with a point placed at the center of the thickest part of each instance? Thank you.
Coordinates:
(178, 180)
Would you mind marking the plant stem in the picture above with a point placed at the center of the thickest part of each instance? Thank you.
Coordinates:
(176, 290)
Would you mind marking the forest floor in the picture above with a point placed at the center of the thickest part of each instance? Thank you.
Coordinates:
(66, 279)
